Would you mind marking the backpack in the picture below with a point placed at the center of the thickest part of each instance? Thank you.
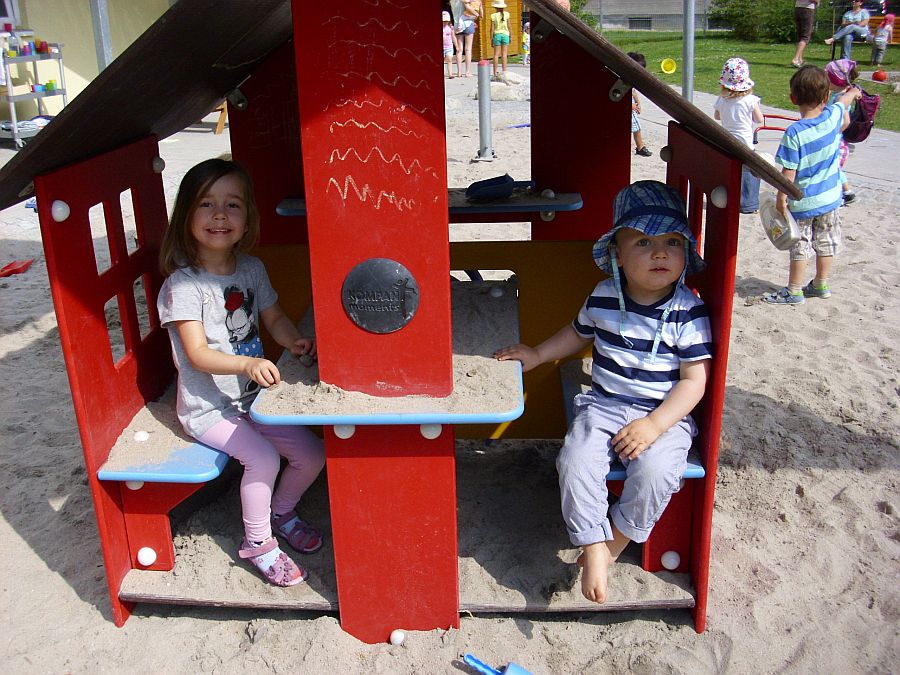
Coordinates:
(862, 118)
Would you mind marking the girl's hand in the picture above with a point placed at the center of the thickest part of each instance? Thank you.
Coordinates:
(262, 371)
(303, 346)
(635, 437)
(527, 355)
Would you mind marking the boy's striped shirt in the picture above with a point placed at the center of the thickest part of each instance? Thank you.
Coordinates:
(810, 146)
(624, 372)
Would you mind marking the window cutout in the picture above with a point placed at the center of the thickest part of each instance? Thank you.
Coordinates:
(114, 329)
(140, 303)
(129, 223)
(483, 275)
(102, 257)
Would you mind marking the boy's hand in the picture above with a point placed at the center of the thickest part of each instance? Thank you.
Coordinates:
(527, 355)
(304, 346)
(262, 371)
(635, 437)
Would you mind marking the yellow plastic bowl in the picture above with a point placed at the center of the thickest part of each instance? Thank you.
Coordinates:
(668, 66)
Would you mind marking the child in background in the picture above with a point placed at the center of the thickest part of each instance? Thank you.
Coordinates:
(808, 155)
(449, 45)
(640, 148)
(500, 34)
(738, 108)
(651, 346)
(882, 39)
(471, 15)
(841, 74)
(526, 43)
(211, 303)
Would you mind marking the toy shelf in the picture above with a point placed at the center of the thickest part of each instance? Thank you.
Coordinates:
(484, 318)
(18, 131)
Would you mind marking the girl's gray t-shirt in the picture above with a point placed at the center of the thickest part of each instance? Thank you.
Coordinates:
(228, 307)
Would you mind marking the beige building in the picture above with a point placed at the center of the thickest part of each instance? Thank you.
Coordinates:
(72, 23)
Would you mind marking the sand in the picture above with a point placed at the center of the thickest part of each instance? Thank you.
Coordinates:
(805, 541)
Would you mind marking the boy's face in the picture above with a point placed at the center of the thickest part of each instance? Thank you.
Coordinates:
(651, 263)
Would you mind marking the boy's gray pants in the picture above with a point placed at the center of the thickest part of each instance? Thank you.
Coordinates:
(584, 461)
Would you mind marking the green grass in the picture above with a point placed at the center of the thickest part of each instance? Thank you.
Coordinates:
(770, 65)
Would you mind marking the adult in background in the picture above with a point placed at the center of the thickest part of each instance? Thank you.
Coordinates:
(805, 20)
(854, 23)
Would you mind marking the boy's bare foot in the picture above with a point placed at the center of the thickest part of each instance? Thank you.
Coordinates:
(595, 560)
(828, 41)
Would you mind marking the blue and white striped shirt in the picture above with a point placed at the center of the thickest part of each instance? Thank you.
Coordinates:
(810, 146)
(625, 373)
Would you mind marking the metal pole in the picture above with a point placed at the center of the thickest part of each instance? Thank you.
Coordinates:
(102, 40)
(687, 53)
(485, 151)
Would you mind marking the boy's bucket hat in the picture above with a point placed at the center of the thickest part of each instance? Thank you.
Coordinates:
(736, 75)
(653, 208)
(445, 16)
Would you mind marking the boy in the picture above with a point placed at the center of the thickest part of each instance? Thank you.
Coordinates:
(640, 148)
(652, 345)
(809, 156)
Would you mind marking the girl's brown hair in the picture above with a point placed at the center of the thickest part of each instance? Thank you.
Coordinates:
(179, 248)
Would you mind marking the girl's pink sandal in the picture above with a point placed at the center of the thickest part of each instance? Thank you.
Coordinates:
(283, 572)
(302, 537)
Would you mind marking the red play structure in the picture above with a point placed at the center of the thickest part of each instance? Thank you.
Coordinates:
(355, 135)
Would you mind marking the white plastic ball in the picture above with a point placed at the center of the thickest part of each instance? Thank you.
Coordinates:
(548, 194)
(344, 431)
(398, 637)
(158, 164)
(670, 560)
(719, 196)
(146, 556)
(134, 484)
(496, 292)
(59, 210)
(141, 436)
(430, 431)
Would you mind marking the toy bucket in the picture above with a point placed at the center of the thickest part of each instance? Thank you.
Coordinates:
(668, 66)
(782, 231)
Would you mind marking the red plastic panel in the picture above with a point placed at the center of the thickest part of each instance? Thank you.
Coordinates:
(580, 139)
(697, 169)
(146, 513)
(374, 158)
(393, 514)
(265, 138)
(106, 395)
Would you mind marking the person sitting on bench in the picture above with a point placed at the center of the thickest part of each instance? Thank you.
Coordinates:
(854, 23)
(652, 350)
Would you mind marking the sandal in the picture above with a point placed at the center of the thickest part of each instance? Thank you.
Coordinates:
(273, 563)
(302, 537)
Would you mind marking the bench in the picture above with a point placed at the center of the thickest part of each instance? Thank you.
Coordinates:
(575, 378)
(874, 22)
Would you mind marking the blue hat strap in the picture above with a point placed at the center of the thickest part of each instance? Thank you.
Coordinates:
(618, 283)
(657, 337)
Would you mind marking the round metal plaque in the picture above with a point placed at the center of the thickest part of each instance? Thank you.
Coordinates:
(380, 295)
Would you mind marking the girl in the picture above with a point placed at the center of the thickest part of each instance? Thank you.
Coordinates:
(472, 12)
(211, 303)
(449, 44)
(738, 108)
(841, 74)
(500, 34)
(882, 39)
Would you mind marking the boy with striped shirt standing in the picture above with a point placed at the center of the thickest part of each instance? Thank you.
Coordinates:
(809, 156)
(651, 349)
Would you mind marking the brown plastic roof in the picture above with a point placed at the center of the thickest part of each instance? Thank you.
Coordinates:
(200, 50)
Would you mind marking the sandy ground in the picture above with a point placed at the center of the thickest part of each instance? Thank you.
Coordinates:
(805, 543)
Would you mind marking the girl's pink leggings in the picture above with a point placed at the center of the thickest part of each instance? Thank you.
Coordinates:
(259, 447)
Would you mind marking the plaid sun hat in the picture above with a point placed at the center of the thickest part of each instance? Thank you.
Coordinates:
(653, 208)
(839, 72)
